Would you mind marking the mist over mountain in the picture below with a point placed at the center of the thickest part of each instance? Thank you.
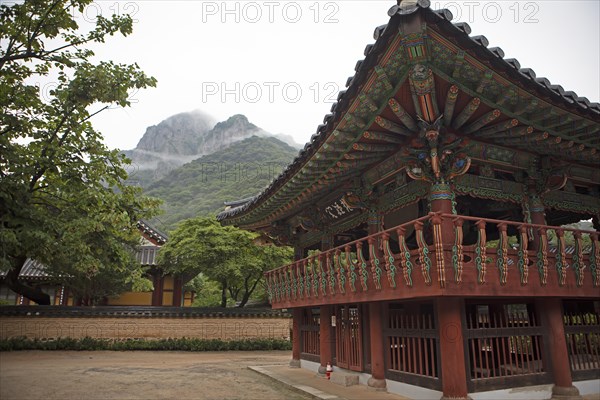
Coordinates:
(184, 137)
(200, 187)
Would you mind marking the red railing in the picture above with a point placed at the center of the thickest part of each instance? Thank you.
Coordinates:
(436, 256)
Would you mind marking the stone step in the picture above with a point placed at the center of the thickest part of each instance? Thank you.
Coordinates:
(344, 378)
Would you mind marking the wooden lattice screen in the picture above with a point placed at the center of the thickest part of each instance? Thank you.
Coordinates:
(504, 346)
(412, 341)
(582, 329)
(310, 334)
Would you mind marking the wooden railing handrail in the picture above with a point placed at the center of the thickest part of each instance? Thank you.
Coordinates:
(452, 217)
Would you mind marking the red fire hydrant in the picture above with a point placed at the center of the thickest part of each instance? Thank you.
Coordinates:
(328, 371)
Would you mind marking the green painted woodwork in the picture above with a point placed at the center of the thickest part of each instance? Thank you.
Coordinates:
(526, 115)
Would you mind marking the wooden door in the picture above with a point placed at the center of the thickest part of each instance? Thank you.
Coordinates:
(348, 332)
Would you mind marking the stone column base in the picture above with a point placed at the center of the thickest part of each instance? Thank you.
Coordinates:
(378, 384)
(294, 363)
(455, 398)
(565, 393)
(322, 370)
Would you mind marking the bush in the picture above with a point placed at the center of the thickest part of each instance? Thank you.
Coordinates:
(183, 344)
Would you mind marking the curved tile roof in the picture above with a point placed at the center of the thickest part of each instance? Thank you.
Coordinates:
(460, 31)
(151, 231)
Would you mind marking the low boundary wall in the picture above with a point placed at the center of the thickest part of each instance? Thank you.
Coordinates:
(38, 322)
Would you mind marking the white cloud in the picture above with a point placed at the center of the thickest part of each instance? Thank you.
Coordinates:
(188, 48)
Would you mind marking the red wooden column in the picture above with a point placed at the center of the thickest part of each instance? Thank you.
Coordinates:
(449, 309)
(296, 321)
(325, 336)
(452, 353)
(177, 291)
(157, 294)
(377, 380)
(551, 313)
(376, 313)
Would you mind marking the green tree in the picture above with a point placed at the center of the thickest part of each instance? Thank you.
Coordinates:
(224, 254)
(62, 197)
(265, 258)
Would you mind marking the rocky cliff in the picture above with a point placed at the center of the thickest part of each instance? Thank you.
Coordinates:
(184, 137)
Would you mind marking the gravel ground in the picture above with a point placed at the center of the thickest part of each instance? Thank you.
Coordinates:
(66, 375)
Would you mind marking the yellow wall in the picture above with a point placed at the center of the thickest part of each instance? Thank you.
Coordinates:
(167, 299)
(131, 299)
(168, 282)
(187, 299)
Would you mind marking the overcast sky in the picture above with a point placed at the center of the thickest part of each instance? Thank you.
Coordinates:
(281, 63)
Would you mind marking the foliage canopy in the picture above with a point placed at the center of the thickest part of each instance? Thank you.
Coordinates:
(63, 201)
(225, 254)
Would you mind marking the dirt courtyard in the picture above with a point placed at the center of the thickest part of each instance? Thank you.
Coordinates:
(91, 375)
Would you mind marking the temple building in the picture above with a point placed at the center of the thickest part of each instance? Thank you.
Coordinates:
(445, 222)
(168, 289)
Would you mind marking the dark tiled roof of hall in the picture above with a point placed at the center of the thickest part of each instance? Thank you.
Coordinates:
(460, 31)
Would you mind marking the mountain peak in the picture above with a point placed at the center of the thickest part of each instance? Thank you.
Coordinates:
(237, 121)
(184, 137)
(177, 134)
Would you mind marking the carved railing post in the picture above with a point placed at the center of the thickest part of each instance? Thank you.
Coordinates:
(288, 285)
(595, 260)
(341, 272)
(457, 250)
(331, 272)
(300, 277)
(404, 256)
(351, 268)
(388, 257)
(374, 261)
(561, 257)
(315, 277)
(307, 278)
(323, 274)
(364, 274)
(542, 256)
(502, 253)
(269, 288)
(524, 254)
(438, 241)
(578, 265)
(481, 252)
(292, 273)
(423, 253)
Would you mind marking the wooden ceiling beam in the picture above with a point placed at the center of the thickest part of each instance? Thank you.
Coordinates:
(383, 137)
(539, 116)
(485, 81)
(585, 131)
(569, 127)
(392, 126)
(495, 129)
(366, 100)
(553, 122)
(531, 105)
(373, 148)
(359, 155)
(482, 121)
(402, 115)
(466, 113)
(451, 97)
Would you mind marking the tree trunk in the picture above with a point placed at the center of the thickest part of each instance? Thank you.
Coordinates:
(32, 293)
(224, 294)
(234, 293)
(248, 292)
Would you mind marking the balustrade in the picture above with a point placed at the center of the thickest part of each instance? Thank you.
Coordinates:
(390, 261)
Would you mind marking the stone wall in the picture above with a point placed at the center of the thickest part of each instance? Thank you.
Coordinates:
(37, 324)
